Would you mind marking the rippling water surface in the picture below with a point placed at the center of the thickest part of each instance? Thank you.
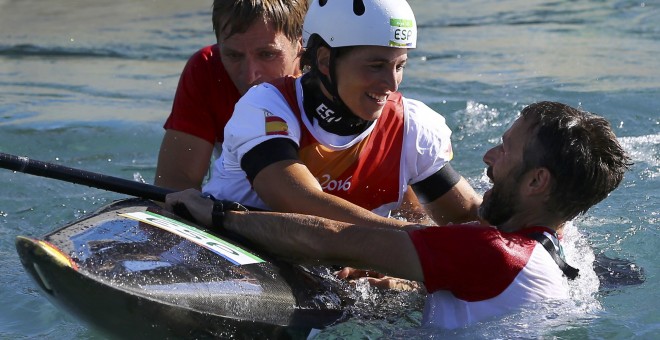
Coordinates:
(88, 84)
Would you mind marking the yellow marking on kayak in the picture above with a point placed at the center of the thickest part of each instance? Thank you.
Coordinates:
(57, 254)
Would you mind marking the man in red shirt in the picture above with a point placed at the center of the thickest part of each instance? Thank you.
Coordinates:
(257, 41)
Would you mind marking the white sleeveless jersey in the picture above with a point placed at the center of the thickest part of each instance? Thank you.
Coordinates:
(264, 113)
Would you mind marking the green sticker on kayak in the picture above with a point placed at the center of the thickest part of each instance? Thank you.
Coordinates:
(232, 253)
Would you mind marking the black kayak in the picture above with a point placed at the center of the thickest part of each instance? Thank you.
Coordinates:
(135, 270)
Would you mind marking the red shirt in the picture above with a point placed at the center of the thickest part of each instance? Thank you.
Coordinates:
(205, 97)
(474, 273)
(474, 262)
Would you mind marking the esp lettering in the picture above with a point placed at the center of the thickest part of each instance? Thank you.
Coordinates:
(402, 34)
(326, 114)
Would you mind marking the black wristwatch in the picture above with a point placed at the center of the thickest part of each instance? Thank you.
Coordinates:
(218, 214)
(219, 209)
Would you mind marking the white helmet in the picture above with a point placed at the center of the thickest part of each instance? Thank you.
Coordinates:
(341, 23)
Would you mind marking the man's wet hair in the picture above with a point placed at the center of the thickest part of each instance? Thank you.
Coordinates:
(236, 16)
(581, 152)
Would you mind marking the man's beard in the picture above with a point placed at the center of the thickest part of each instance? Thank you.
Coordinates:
(501, 205)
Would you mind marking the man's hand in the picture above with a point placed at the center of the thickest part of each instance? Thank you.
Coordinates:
(378, 280)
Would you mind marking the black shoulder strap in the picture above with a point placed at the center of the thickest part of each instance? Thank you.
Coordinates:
(546, 242)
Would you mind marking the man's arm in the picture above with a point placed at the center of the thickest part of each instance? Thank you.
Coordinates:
(183, 161)
(305, 238)
(288, 186)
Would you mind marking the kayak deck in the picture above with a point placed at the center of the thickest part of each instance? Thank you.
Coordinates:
(130, 278)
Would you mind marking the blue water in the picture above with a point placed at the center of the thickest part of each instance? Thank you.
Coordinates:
(88, 85)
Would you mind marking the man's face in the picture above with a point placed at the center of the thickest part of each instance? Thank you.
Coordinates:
(258, 55)
(504, 162)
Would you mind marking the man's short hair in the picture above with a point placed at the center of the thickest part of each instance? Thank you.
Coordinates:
(581, 152)
(236, 16)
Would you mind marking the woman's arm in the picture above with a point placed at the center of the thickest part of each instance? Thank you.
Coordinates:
(458, 205)
(288, 186)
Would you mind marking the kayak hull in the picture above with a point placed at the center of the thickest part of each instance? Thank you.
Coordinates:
(119, 273)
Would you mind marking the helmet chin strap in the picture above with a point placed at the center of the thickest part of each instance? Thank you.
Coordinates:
(330, 83)
(336, 118)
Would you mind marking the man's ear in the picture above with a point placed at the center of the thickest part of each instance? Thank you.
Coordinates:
(323, 60)
(299, 47)
(539, 181)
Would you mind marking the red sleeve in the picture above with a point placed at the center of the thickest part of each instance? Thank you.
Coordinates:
(205, 97)
(473, 262)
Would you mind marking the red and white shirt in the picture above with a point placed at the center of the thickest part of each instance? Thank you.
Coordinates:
(205, 98)
(406, 144)
(474, 273)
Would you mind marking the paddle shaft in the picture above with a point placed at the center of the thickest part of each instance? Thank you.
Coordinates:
(88, 178)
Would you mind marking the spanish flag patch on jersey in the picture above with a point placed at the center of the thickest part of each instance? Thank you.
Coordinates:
(275, 125)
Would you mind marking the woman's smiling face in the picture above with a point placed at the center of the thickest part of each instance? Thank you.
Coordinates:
(367, 75)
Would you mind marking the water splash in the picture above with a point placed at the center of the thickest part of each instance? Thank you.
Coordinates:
(645, 151)
(578, 252)
(138, 177)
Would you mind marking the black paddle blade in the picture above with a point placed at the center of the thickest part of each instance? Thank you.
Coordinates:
(614, 273)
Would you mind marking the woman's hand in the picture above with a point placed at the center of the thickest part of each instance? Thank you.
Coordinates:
(199, 207)
(378, 280)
